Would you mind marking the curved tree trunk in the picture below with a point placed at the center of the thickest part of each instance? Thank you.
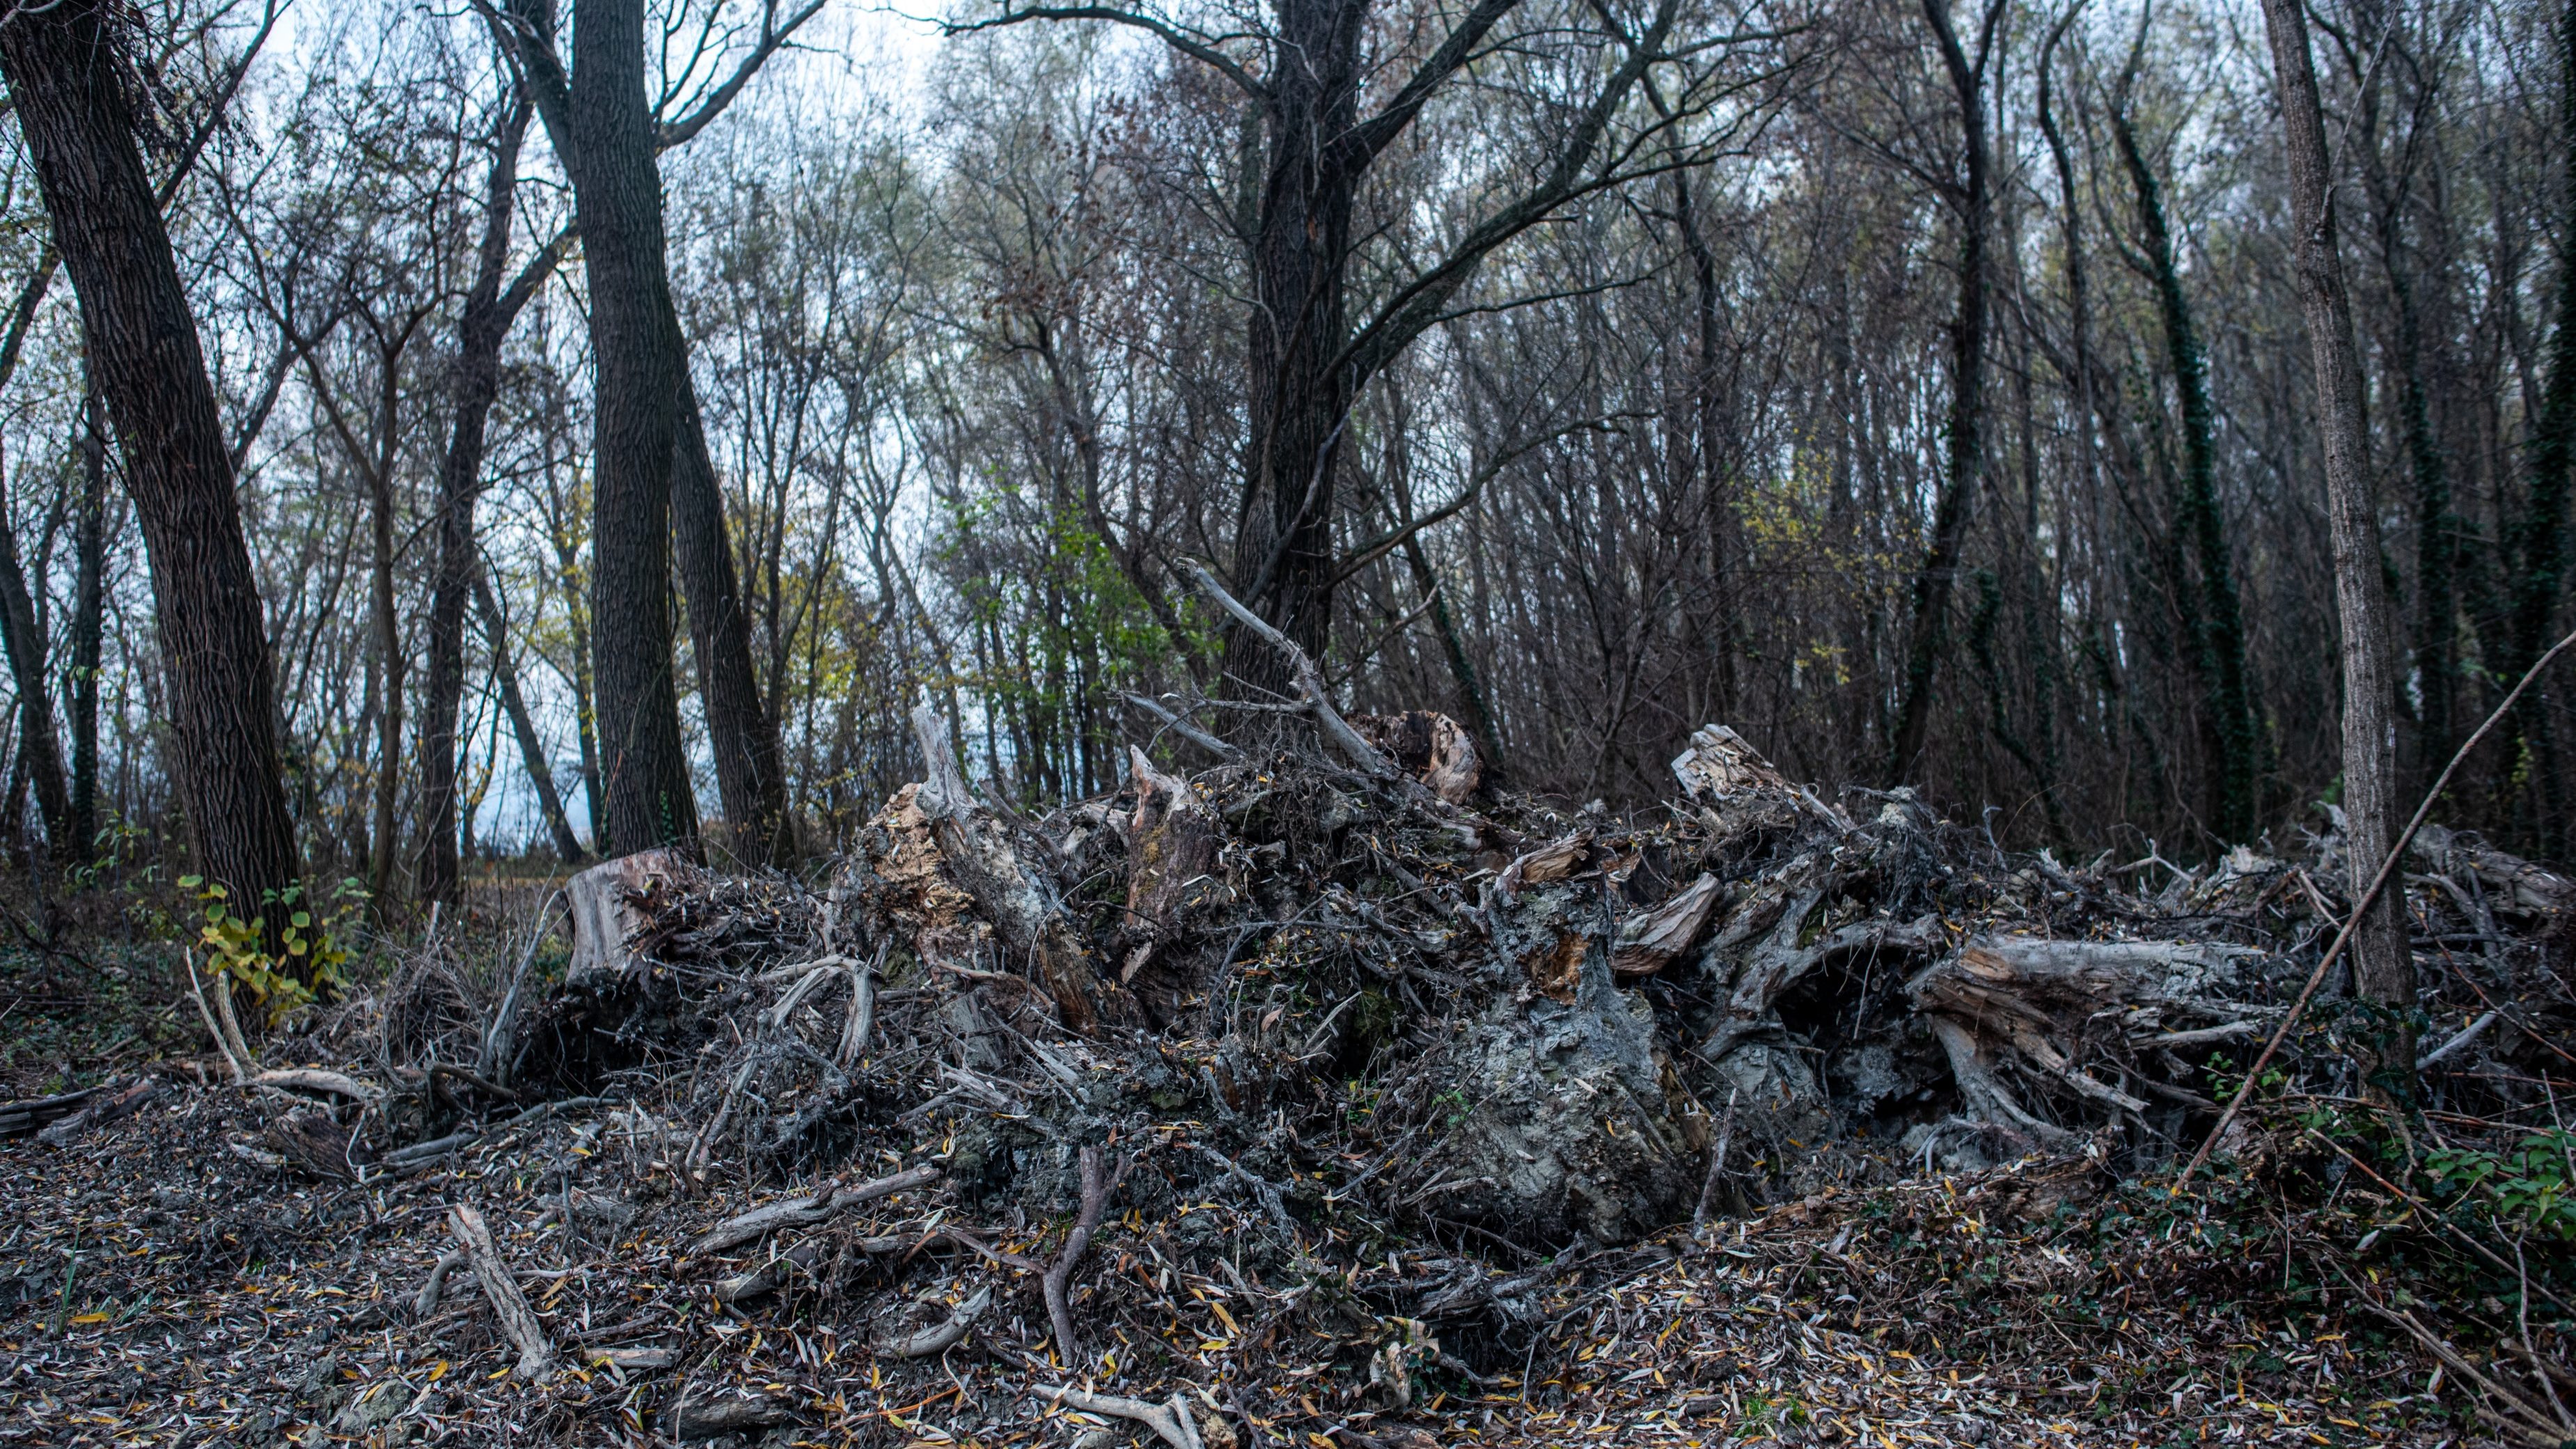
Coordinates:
(741, 732)
(143, 349)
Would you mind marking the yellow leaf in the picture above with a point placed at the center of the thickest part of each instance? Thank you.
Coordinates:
(89, 1318)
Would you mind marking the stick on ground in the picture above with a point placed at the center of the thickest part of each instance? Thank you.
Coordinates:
(501, 1290)
(1059, 1278)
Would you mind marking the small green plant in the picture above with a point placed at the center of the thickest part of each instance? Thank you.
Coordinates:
(309, 959)
(2527, 1189)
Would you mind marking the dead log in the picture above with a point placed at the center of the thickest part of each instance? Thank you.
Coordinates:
(337, 1084)
(100, 1110)
(694, 1418)
(949, 1332)
(1431, 747)
(25, 1117)
(1025, 915)
(602, 904)
(501, 1290)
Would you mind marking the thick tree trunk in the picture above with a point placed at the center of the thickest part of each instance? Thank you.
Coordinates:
(1300, 401)
(635, 339)
(60, 62)
(1964, 455)
(2384, 963)
(2235, 773)
(481, 331)
(741, 732)
(532, 749)
(387, 629)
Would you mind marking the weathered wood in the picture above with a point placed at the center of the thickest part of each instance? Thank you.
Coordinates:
(603, 913)
(25, 1116)
(1429, 746)
(1172, 841)
(949, 1332)
(102, 1109)
(1170, 1422)
(1027, 918)
(317, 1079)
(1653, 939)
(806, 1211)
(501, 1290)
(1058, 1282)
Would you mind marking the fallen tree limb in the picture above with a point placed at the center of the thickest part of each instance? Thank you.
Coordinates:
(1059, 1278)
(806, 1211)
(947, 1334)
(316, 1079)
(501, 1290)
(1170, 1422)
(1312, 698)
(102, 1109)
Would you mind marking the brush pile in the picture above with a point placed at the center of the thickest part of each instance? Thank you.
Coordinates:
(1340, 1100)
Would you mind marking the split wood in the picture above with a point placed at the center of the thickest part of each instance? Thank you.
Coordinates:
(2360, 908)
(501, 1290)
(1059, 1278)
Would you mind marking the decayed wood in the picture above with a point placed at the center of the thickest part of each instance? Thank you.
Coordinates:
(1651, 940)
(509, 1305)
(699, 1419)
(314, 1142)
(24, 1117)
(1313, 698)
(1059, 1278)
(1170, 1422)
(949, 1332)
(102, 1109)
(1025, 915)
(806, 1211)
(603, 915)
(1429, 746)
(1172, 841)
(316, 1079)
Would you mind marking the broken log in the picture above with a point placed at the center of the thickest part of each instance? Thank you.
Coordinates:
(804, 1212)
(23, 1118)
(1651, 940)
(100, 1110)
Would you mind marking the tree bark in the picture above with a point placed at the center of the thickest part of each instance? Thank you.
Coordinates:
(62, 68)
(1964, 455)
(490, 309)
(38, 745)
(2235, 798)
(635, 341)
(2384, 964)
(88, 621)
(741, 732)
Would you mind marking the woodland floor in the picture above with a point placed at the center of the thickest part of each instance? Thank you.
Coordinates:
(160, 1286)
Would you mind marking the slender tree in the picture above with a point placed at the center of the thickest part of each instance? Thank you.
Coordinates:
(2384, 962)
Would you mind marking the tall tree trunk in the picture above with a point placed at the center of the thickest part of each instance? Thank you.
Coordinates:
(2235, 800)
(2384, 963)
(635, 341)
(387, 629)
(38, 745)
(1964, 455)
(62, 68)
(1299, 399)
(532, 749)
(490, 309)
(742, 734)
(2538, 534)
(88, 621)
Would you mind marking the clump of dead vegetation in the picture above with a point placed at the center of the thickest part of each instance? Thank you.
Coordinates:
(1328, 1096)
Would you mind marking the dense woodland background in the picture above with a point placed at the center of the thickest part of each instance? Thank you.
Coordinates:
(1920, 389)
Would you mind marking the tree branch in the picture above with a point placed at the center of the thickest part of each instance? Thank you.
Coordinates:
(1198, 48)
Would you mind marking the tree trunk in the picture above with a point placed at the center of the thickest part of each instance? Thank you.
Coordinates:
(2235, 801)
(2538, 536)
(635, 340)
(1964, 456)
(741, 732)
(489, 311)
(2384, 963)
(143, 350)
(88, 621)
(387, 628)
(532, 749)
(1299, 400)
(24, 639)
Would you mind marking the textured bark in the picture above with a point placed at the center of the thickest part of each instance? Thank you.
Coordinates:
(488, 313)
(88, 622)
(2383, 964)
(38, 744)
(635, 340)
(61, 65)
(1963, 462)
(741, 732)
(2233, 732)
